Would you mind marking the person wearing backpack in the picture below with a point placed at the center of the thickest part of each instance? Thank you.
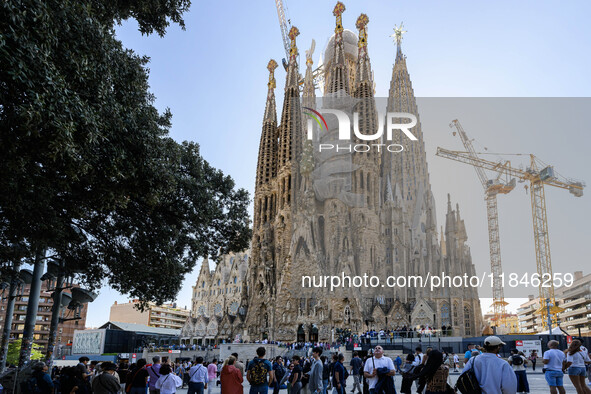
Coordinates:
(257, 371)
(493, 374)
(356, 369)
(40, 382)
(434, 374)
(518, 362)
(106, 382)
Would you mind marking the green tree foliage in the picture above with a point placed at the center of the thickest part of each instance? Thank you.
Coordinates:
(88, 171)
(14, 348)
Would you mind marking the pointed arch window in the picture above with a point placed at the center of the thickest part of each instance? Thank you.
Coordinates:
(467, 321)
(445, 316)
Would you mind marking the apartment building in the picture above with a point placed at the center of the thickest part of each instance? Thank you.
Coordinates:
(575, 319)
(161, 316)
(65, 333)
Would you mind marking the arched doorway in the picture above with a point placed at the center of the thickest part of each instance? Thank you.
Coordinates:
(301, 334)
(313, 333)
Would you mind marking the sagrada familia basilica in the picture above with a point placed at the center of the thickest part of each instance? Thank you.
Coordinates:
(351, 213)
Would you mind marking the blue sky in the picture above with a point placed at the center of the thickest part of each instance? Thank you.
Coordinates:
(213, 78)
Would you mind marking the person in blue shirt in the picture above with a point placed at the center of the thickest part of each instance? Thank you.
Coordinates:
(356, 364)
(468, 353)
(338, 379)
(494, 374)
(398, 363)
(42, 378)
(279, 371)
(257, 371)
(198, 377)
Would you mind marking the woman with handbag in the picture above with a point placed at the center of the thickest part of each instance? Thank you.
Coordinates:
(435, 373)
(533, 357)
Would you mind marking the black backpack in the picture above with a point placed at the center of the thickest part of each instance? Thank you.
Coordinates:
(516, 360)
(467, 382)
(31, 386)
(258, 372)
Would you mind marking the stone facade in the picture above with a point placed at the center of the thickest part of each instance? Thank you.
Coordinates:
(311, 217)
(215, 301)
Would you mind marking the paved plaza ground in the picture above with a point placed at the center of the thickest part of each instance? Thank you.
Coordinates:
(536, 380)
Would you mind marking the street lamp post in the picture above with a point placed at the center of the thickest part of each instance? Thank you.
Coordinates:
(55, 317)
(549, 320)
(32, 308)
(60, 279)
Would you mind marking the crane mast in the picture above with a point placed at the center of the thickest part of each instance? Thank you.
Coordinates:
(537, 178)
(284, 26)
(491, 189)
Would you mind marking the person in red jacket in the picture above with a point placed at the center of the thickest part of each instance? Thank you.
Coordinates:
(231, 378)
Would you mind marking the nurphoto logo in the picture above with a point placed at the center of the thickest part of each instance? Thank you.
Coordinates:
(388, 124)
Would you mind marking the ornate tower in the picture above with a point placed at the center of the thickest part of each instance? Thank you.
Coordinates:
(265, 197)
(366, 181)
(408, 170)
(280, 151)
(338, 83)
(261, 272)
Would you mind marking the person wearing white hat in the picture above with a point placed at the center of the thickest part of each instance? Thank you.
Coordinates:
(494, 374)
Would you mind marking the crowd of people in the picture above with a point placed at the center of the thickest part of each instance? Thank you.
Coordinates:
(323, 371)
(161, 376)
(404, 332)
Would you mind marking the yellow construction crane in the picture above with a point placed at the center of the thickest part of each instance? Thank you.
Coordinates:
(491, 187)
(538, 174)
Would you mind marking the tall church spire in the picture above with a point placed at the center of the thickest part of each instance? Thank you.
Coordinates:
(291, 122)
(270, 108)
(290, 130)
(309, 94)
(267, 161)
(363, 76)
(408, 169)
(339, 75)
(366, 107)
